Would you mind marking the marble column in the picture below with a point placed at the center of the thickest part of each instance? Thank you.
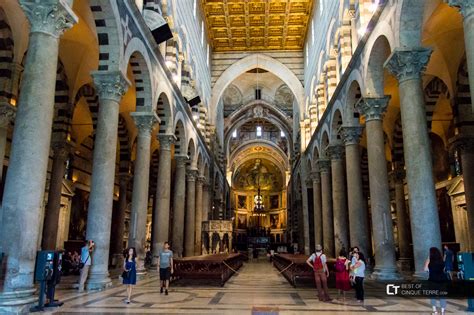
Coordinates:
(465, 146)
(403, 223)
(339, 196)
(190, 217)
(161, 213)
(198, 217)
(179, 204)
(110, 86)
(407, 65)
(61, 151)
(384, 246)
(26, 176)
(317, 208)
(357, 205)
(466, 7)
(326, 202)
(205, 201)
(118, 221)
(7, 116)
(145, 121)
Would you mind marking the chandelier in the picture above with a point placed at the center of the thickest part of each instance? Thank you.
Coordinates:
(259, 207)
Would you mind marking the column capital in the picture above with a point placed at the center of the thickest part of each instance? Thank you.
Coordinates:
(191, 174)
(51, 17)
(145, 121)
(7, 114)
(124, 178)
(110, 85)
(408, 63)
(324, 165)
(166, 140)
(181, 160)
(466, 7)
(372, 108)
(62, 149)
(335, 150)
(351, 134)
(398, 175)
(315, 176)
(201, 179)
(462, 143)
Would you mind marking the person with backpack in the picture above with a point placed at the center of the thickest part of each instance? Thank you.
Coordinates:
(342, 273)
(317, 261)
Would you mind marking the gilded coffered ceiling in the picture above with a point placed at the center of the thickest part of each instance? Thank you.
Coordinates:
(240, 25)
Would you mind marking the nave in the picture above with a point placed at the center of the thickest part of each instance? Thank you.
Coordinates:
(258, 286)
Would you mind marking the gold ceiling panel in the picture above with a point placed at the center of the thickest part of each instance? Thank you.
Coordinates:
(237, 25)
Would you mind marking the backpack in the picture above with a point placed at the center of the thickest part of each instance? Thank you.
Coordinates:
(318, 263)
(340, 266)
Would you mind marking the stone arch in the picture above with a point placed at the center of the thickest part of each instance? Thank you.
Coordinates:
(353, 95)
(180, 134)
(462, 109)
(62, 108)
(374, 76)
(324, 143)
(250, 62)
(7, 54)
(433, 90)
(163, 110)
(336, 123)
(316, 155)
(410, 23)
(124, 146)
(109, 34)
(140, 65)
(88, 92)
(192, 153)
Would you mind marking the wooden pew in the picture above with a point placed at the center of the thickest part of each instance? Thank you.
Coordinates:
(295, 269)
(217, 268)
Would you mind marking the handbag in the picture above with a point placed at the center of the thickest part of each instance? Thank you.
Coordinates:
(125, 274)
(82, 264)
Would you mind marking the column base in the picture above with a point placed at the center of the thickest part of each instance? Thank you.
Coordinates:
(17, 302)
(405, 264)
(382, 274)
(420, 275)
(98, 282)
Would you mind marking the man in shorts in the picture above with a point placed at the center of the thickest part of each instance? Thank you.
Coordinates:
(165, 266)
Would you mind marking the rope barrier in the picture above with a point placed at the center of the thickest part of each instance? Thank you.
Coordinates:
(225, 264)
(286, 268)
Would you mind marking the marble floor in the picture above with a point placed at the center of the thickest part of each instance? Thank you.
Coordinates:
(257, 286)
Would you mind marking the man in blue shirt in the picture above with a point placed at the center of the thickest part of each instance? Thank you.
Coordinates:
(165, 266)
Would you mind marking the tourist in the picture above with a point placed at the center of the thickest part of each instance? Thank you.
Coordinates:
(129, 275)
(317, 261)
(435, 266)
(448, 262)
(86, 262)
(359, 273)
(354, 249)
(165, 265)
(342, 274)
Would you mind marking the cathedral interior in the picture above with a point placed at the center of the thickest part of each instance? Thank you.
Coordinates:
(239, 132)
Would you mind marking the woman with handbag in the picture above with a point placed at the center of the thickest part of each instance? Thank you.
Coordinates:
(129, 274)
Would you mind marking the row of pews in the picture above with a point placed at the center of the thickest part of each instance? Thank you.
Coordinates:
(217, 268)
(296, 271)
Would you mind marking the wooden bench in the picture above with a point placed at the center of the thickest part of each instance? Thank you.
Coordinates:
(295, 269)
(218, 267)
